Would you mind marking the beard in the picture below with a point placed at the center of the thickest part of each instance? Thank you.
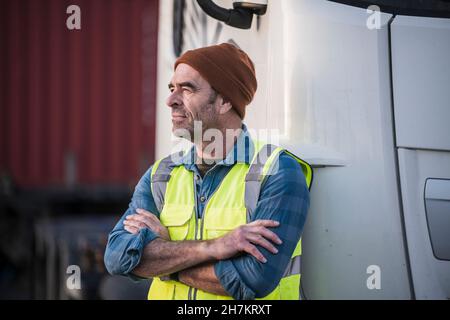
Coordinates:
(195, 123)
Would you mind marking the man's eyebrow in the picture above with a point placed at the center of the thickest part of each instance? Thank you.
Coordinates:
(184, 84)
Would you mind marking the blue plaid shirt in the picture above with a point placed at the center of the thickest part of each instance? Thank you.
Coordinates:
(284, 197)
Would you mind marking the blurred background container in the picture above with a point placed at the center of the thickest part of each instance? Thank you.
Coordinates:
(77, 130)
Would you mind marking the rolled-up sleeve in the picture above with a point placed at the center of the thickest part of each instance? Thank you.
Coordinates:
(284, 197)
(124, 249)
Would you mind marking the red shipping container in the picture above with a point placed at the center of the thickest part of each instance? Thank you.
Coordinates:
(77, 106)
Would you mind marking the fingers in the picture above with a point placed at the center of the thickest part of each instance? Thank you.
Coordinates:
(259, 240)
(265, 223)
(130, 229)
(133, 223)
(147, 214)
(149, 219)
(146, 219)
(260, 227)
(251, 249)
(140, 218)
(258, 234)
(266, 233)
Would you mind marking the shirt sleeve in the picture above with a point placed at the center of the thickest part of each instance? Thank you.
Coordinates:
(124, 249)
(284, 197)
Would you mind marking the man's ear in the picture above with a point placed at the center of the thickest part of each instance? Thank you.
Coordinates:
(224, 105)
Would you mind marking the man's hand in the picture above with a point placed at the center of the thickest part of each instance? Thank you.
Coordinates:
(144, 219)
(244, 238)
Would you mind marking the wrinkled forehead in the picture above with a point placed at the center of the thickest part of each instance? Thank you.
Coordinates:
(185, 73)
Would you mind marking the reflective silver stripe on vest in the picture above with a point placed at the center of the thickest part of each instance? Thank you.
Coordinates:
(253, 179)
(160, 179)
(293, 267)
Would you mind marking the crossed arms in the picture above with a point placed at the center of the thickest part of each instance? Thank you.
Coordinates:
(201, 264)
(194, 259)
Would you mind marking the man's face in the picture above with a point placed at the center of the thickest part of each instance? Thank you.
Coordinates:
(191, 99)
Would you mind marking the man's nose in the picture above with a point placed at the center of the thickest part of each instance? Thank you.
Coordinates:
(174, 99)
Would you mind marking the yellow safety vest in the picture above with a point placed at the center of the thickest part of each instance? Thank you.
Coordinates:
(230, 206)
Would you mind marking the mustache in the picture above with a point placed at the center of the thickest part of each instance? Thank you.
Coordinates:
(181, 113)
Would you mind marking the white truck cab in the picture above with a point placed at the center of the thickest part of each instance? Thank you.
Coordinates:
(364, 96)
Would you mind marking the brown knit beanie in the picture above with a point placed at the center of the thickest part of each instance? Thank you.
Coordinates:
(228, 70)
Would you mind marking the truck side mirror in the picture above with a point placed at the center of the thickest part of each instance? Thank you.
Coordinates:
(240, 16)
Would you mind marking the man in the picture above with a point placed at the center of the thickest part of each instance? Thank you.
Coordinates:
(215, 222)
